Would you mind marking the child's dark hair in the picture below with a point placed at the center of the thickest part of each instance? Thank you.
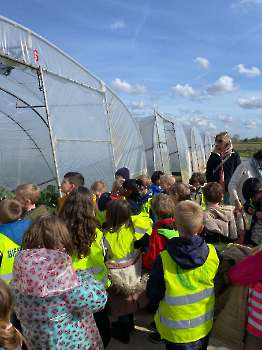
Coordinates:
(251, 187)
(197, 177)
(75, 178)
(162, 206)
(156, 176)
(47, 231)
(213, 192)
(77, 213)
(9, 338)
(10, 211)
(135, 187)
(258, 155)
(118, 214)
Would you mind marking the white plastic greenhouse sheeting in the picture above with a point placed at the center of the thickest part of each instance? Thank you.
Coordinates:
(207, 139)
(196, 148)
(165, 145)
(57, 117)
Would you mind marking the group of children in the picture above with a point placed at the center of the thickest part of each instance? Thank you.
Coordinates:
(146, 243)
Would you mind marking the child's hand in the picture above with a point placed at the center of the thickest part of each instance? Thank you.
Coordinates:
(251, 211)
(259, 214)
(238, 205)
(256, 250)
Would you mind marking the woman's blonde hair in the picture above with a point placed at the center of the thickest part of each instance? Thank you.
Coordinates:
(225, 136)
(10, 339)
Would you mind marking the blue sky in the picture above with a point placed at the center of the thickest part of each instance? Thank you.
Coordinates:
(198, 60)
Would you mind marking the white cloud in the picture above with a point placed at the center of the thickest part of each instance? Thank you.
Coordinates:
(241, 4)
(125, 87)
(249, 123)
(118, 24)
(212, 126)
(253, 72)
(187, 91)
(202, 62)
(138, 113)
(153, 106)
(228, 119)
(190, 111)
(207, 117)
(252, 103)
(138, 105)
(222, 86)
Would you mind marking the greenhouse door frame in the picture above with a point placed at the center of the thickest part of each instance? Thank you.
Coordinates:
(17, 63)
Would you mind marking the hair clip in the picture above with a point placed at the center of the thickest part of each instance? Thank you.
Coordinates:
(9, 326)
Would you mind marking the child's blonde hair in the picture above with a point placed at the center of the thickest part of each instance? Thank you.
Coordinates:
(188, 217)
(162, 206)
(98, 186)
(10, 211)
(181, 190)
(9, 338)
(146, 180)
(28, 191)
(117, 184)
(167, 179)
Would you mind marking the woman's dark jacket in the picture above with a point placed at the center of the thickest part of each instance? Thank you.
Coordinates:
(229, 167)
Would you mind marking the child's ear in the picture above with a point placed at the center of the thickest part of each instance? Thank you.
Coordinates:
(72, 186)
(200, 229)
(27, 201)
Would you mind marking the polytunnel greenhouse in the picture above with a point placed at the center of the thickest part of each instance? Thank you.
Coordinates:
(196, 147)
(57, 117)
(165, 145)
(208, 145)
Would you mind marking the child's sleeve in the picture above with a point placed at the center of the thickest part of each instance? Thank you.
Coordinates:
(156, 288)
(90, 296)
(247, 271)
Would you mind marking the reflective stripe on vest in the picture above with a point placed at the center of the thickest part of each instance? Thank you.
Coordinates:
(190, 298)
(95, 269)
(141, 230)
(7, 277)
(185, 313)
(186, 324)
(129, 256)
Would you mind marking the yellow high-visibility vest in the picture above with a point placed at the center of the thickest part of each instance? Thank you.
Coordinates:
(143, 224)
(122, 244)
(185, 314)
(9, 249)
(94, 263)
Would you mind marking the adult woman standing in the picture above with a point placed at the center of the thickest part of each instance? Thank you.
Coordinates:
(222, 163)
(247, 169)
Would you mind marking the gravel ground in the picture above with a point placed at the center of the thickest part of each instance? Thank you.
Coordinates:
(139, 338)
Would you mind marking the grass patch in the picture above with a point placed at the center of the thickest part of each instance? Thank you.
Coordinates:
(248, 154)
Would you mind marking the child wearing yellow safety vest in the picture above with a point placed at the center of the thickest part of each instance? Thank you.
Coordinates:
(88, 255)
(127, 291)
(181, 280)
(132, 191)
(11, 234)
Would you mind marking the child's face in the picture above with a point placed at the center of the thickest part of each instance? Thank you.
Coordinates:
(22, 201)
(174, 198)
(65, 186)
(164, 186)
(196, 185)
(120, 177)
(257, 196)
